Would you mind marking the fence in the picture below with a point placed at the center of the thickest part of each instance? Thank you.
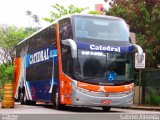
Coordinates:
(150, 82)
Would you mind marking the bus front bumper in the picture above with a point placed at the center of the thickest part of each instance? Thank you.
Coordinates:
(84, 99)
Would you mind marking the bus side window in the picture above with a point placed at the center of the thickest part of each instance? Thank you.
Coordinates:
(65, 29)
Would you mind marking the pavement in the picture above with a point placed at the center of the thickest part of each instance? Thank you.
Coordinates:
(137, 107)
(142, 107)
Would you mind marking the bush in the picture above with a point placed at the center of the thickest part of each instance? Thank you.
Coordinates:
(155, 99)
(6, 73)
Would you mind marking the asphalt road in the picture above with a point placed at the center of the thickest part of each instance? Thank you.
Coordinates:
(46, 112)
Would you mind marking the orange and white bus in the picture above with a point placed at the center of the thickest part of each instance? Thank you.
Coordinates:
(79, 60)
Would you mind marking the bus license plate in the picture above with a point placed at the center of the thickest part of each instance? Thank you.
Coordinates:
(106, 101)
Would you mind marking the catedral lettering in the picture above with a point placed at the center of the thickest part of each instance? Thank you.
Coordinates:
(105, 48)
(78, 67)
(39, 56)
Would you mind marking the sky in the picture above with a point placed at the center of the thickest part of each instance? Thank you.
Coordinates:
(12, 12)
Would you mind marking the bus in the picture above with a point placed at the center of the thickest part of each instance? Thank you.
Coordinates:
(78, 60)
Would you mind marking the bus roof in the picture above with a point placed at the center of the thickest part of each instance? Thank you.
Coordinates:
(70, 16)
(98, 16)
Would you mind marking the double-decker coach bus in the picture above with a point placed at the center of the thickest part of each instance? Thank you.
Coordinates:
(79, 60)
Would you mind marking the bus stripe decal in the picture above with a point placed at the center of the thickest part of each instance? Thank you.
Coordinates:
(16, 76)
(97, 88)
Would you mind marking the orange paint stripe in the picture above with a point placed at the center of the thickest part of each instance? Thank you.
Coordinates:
(17, 65)
(97, 88)
(66, 89)
(59, 49)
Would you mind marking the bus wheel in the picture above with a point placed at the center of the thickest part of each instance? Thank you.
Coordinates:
(105, 108)
(56, 100)
(31, 102)
(24, 101)
(23, 98)
(19, 93)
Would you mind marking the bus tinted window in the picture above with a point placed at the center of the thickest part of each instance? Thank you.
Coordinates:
(65, 29)
(102, 29)
(96, 64)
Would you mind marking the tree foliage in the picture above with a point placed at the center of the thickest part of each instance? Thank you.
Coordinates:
(6, 73)
(94, 12)
(9, 37)
(59, 10)
(33, 17)
(143, 17)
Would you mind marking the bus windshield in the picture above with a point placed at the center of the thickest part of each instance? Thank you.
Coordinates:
(101, 29)
(104, 67)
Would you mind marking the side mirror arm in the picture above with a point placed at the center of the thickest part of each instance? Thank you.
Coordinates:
(73, 45)
(140, 52)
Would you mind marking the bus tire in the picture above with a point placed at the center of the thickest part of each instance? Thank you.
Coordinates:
(18, 99)
(56, 100)
(22, 98)
(30, 102)
(106, 108)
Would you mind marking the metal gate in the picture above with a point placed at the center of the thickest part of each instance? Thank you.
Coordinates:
(150, 87)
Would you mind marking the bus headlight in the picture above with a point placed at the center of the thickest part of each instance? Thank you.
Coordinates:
(128, 91)
(79, 89)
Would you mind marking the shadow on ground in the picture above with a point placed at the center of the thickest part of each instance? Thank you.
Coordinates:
(80, 109)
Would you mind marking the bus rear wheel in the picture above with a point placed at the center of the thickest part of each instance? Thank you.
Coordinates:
(23, 99)
(106, 108)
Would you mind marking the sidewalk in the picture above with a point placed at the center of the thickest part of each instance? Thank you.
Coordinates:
(136, 107)
(141, 107)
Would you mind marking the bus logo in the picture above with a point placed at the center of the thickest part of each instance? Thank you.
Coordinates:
(40, 56)
(101, 89)
(105, 48)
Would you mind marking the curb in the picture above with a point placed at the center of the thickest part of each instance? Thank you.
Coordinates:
(146, 108)
(142, 108)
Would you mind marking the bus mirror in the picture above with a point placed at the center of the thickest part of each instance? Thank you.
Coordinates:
(140, 52)
(73, 45)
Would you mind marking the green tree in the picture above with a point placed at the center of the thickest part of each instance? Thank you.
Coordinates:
(33, 18)
(94, 12)
(143, 17)
(59, 10)
(7, 73)
(9, 37)
(2, 76)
